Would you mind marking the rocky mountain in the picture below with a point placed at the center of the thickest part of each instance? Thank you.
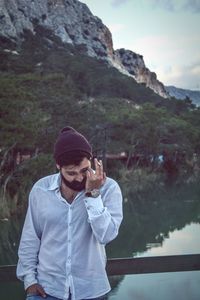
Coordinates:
(135, 65)
(74, 24)
(179, 93)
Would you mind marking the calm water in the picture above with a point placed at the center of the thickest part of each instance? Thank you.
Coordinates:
(157, 224)
(165, 286)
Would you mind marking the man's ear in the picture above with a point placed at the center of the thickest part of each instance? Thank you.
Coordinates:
(58, 167)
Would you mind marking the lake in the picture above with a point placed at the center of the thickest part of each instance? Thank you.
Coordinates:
(165, 286)
(159, 224)
(166, 224)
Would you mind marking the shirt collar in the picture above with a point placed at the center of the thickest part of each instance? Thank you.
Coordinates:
(55, 182)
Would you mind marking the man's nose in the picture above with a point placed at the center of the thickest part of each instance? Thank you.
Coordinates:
(79, 177)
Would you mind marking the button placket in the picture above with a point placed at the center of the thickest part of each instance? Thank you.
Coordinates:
(69, 247)
(69, 234)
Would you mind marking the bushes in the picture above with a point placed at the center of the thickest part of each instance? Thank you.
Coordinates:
(138, 183)
(13, 198)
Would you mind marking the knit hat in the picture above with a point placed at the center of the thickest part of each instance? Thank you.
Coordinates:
(71, 140)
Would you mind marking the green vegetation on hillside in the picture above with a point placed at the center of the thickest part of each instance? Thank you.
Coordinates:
(48, 85)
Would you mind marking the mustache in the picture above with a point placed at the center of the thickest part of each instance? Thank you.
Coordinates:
(74, 185)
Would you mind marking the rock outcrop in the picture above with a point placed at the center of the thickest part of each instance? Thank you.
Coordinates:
(135, 65)
(73, 23)
(71, 20)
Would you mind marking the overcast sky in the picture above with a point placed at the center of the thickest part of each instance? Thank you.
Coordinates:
(165, 32)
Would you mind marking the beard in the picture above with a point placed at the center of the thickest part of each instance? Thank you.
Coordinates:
(74, 185)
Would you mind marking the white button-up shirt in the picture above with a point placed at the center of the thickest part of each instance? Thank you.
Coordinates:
(62, 245)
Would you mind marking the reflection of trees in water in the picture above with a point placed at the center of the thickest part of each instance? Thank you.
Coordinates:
(9, 240)
(150, 219)
(114, 282)
(147, 220)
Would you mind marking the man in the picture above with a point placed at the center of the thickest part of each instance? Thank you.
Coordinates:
(71, 216)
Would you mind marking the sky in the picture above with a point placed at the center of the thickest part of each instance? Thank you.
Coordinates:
(165, 32)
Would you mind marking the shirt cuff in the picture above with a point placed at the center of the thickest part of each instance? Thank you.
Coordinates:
(29, 280)
(94, 206)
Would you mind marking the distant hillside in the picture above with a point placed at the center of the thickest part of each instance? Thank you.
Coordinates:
(179, 93)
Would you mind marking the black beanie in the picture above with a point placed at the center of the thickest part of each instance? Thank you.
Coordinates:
(70, 140)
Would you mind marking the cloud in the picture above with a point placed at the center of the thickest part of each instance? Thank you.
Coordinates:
(186, 77)
(116, 3)
(114, 28)
(192, 5)
(165, 4)
(177, 6)
(179, 66)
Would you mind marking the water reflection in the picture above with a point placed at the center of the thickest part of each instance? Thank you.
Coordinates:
(165, 224)
(173, 286)
(179, 242)
(149, 226)
(147, 223)
(10, 231)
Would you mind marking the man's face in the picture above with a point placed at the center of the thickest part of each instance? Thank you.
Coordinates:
(75, 176)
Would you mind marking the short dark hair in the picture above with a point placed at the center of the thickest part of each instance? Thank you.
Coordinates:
(72, 158)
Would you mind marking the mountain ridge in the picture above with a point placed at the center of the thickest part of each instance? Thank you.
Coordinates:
(180, 93)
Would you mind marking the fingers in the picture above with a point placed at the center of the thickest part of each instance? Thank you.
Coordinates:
(36, 289)
(98, 167)
(95, 179)
(41, 291)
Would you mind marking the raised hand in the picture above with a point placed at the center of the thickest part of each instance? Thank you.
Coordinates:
(95, 178)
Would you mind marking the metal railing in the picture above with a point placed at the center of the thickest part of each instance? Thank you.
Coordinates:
(140, 265)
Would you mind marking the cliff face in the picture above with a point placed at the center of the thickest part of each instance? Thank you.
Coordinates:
(135, 65)
(73, 22)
